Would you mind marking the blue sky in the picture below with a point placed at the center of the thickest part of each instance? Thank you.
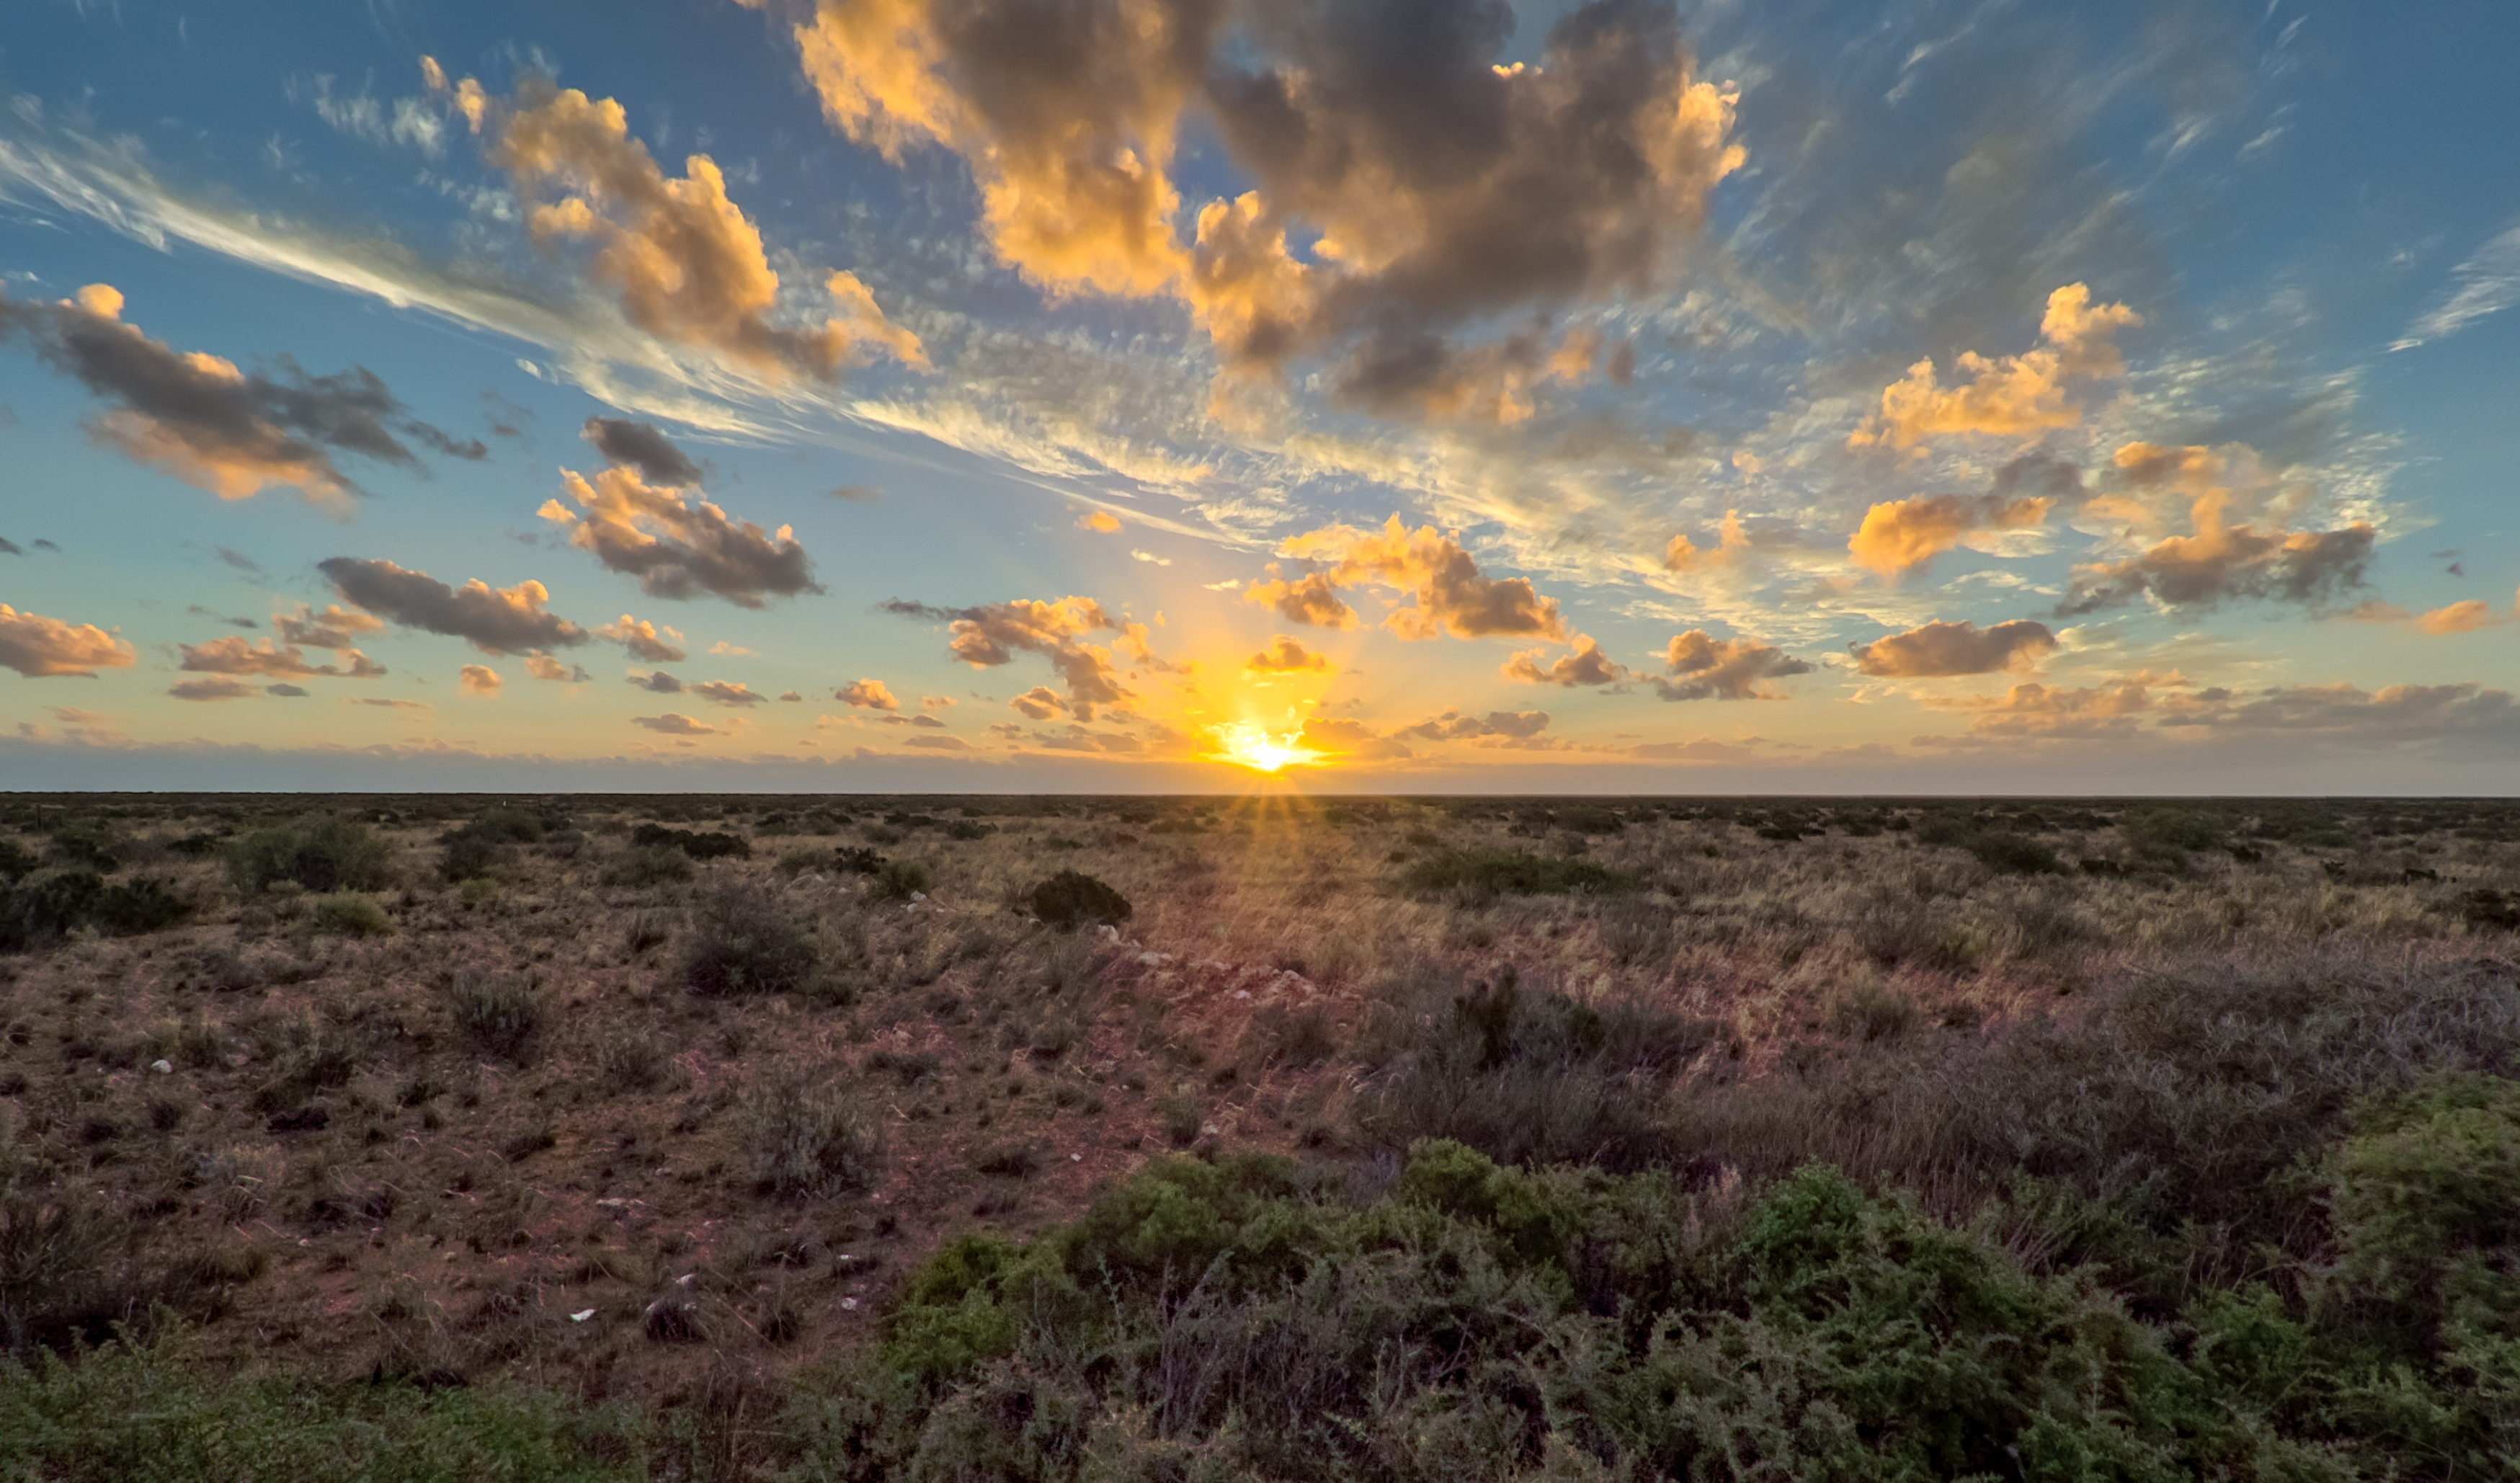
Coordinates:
(1991, 398)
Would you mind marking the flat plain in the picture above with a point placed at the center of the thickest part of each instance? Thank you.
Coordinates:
(1263, 1136)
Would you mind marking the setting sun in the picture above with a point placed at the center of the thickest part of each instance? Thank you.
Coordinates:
(1247, 745)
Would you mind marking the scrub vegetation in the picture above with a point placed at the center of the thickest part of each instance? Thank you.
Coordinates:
(1258, 1138)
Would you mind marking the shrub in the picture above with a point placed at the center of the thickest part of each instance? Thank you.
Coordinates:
(745, 941)
(145, 905)
(54, 1287)
(698, 846)
(497, 1013)
(467, 856)
(813, 1141)
(350, 915)
(323, 855)
(48, 906)
(86, 844)
(654, 864)
(1070, 899)
(2008, 853)
(900, 879)
(1515, 873)
(630, 1063)
(17, 862)
(1870, 1012)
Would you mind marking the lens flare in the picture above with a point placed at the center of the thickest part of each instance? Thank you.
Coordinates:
(1247, 745)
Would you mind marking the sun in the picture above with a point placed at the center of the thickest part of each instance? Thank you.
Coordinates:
(1247, 745)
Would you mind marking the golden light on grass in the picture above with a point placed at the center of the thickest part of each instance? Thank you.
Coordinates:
(1245, 745)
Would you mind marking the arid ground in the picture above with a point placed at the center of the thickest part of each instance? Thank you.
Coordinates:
(850, 1137)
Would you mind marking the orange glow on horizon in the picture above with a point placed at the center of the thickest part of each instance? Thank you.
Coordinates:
(1247, 745)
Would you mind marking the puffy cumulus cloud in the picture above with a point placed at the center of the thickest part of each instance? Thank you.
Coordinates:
(675, 724)
(543, 666)
(1284, 656)
(1348, 738)
(1310, 600)
(215, 427)
(496, 620)
(677, 548)
(1435, 186)
(1705, 669)
(686, 261)
(2045, 712)
(1733, 546)
(728, 692)
(644, 639)
(2458, 617)
(217, 688)
(989, 635)
(1452, 726)
(1100, 521)
(937, 703)
(337, 628)
(479, 680)
(1587, 665)
(1041, 704)
(2010, 396)
(2221, 560)
(1941, 649)
(1428, 378)
(42, 647)
(644, 446)
(1898, 536)
(867, 695)
(1448, 594)
(233, 655)
(658, 682)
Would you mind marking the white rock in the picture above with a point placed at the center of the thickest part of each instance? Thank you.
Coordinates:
(918, 895)
(581, 1315)
(162, 1068)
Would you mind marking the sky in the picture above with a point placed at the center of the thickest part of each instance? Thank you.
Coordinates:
(1168, 395)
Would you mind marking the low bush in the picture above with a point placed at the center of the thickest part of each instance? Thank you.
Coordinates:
(1515, 873)
(2007, 853)
(654, 864)
(745, 940)
(17, 862)
(813, 1141)
(86, 844)
(350, 915)
(1071, 899)
(497, 1014)
(900, 879)
(48, 906)
(698, 846)
(323, 855)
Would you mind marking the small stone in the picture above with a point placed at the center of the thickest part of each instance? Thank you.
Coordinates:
(581, 1315)
(162, 1068)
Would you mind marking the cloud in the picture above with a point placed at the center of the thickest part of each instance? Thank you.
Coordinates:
(856, 494)
(207, 423)
(2458, 617)
(939, 743)
(1452, 726)
(1723, 669)
(937, 703)
(10, 547)
(239, 561)
(1732, 545)
(2489, 283)
(1148, 557)
(1101, 521)
(388, 704)
(2010, 396)
(286, 691)
(867, 695)
(1900, 535)
(673, 724)
(686, 261)
(501, 620)
(677, 549)
(479, 680)
(41, 648)
(335, 628)
(2393, 715)
(644, 639)
(642, 446)
(543, 666)
(2221, 561)
(658, 682)
(1941, 649)
(1041, 704)
(1586, 666)
(1448, 594)
(234, 657)
(1345, 736)
(1701, 750)
(220, 688)
(1285, 655)
(1310, 600)
(2042, 712)
(1434, 186)
(725, 693)
(989, 635)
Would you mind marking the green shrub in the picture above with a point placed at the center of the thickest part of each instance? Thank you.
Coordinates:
(900, 879)
(323, 855)
(813, 1141)
(17, 862)
(698, 846)
(1515, 873)
(48, 906)
(655, 865)
(2008, 853)
(1071, 899)
(1870, 1012)
(86, 844)
(630, 1063)
(745, 940)
(350, 915)
(145, 905)
(497, 1013)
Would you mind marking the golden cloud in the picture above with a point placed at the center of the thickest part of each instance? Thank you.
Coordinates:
(1448, 594)
(989, 635)
(2010, 396)
(479, 680)
(687, 262)
(2221, 561)
(1285, 655)
(867, 695)
(2458, 617)
(1898, 536)
(644, 639)
(41, 648)
(1586, 666)
(501, 620)
(728, 692)
(678, 548)
(675, 724)
(1706, 668)
(1941, 649)
(233, 655)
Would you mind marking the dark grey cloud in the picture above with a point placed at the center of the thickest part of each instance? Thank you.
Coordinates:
(2314, 569)
(507, 621)
(641, 446)
(659, 682)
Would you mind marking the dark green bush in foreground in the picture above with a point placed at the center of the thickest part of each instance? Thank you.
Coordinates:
(1512, 871)
(1070, 899)
(323, 855)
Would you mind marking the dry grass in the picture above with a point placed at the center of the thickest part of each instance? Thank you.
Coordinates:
(716, 1106)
